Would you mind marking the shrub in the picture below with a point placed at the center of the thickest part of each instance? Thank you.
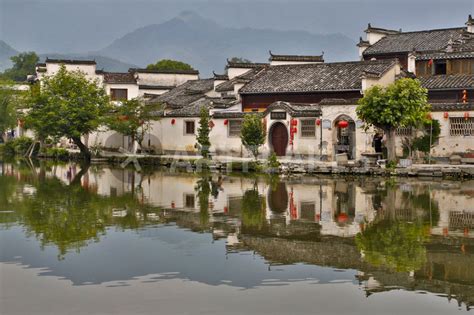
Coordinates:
(17, 146)
(57, 153)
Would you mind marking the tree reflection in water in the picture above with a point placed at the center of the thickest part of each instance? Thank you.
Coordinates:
(394, 244)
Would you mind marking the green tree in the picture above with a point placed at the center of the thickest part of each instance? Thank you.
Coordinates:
(8, 107)
(133, 118)
(253, 133)
(169, 65)
(253, 210)
(67, 105)
(203, 189)
(203, 133)
(394, 244)
(401, 104)
(23, 65)
(239, 60)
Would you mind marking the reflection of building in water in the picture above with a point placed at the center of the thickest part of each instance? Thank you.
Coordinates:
(342, 207)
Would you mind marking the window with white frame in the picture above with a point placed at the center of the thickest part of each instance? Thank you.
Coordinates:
(460, 126)
(234, 125)
(308, 128)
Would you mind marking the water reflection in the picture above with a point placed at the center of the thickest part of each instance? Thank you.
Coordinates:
(98, 224)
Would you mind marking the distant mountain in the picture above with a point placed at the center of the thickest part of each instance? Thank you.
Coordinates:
(103, 63)
(206, 45)
(6, 51)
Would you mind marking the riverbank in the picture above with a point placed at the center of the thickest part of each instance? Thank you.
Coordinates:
(289, 166)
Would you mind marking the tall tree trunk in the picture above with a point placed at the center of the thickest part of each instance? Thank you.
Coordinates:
(84, 149)
(390, 144)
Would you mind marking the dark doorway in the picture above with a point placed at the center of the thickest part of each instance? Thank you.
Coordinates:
(279, 138)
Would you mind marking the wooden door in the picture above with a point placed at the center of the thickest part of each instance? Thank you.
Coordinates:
(279, 139)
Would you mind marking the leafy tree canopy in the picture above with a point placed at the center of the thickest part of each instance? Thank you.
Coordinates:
(133, 118)
(203, 133)
(23, 65)
(9, 104)
(394, 244)
(239, 60)
(253, 133)
(401, 104)
(67, 105)
(168, 64)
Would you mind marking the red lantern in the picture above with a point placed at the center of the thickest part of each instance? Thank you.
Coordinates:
(226, 122)
(211, 124)
(464, 96)
(466, 115)
(294, 122)
(343, 124)
(173, 121)
(446, 115)
(342, 218)
(318, 122)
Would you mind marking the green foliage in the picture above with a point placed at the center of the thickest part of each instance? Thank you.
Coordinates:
(422, 143)
(239, 60)
(253, 210)
(169, 65)
(23, 65)
(253, 133)
(67, 105)
(132, 118)
(203, 188)
(401, 104)
(395, 245)
(10, 98)
(273, 161)
(17, 146)
(57, 153)
(203, 133)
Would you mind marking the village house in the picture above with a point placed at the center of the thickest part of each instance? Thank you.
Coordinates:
(308, 105)
(143, 83)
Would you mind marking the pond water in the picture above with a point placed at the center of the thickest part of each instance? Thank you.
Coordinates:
(102, 240)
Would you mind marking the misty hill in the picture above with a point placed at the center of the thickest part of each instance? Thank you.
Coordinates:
(6, 51)
(206, 45)
(103, 63)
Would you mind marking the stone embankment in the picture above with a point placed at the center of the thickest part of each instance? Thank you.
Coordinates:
(229, 164)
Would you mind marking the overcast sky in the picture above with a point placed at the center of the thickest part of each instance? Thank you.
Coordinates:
(86, 25)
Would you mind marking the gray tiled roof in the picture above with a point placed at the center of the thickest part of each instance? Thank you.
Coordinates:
(339, 76)
(443, 55)
(194, 109)
(71, 61)
(245, 65)
(119, 78)
(195, 72)
(317, 58)
(243, 78)
(438, 107)
(455, 81)
(296, 109)
(185, 94)
(155, 87)
(432, 40)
